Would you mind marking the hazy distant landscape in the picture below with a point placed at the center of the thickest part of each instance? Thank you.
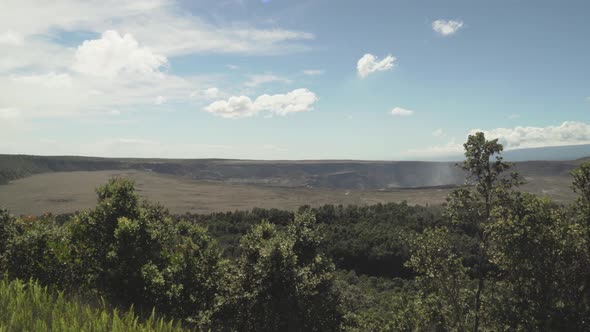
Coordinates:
(66, 184)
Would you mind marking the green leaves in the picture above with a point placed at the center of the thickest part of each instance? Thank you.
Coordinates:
(284, 282)
(443, 279)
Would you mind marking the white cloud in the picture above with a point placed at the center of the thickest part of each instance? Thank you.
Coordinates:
(256, 80)
(59, 95)
(514, 116)
(313, 72)
(10, 38)
(212, 93)
(234, 107)
(121, 66)
(231, 67)
(33, 56)
(298, 100)
(160, 100)
(174, 34)
(163, 24)
(398, 111)
(50, 80)
(368, 64)
(114, 54)
(446, 28)
(9, 113)
(208, 93)
(568, 133)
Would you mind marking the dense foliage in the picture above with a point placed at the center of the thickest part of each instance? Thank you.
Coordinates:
(491, 259)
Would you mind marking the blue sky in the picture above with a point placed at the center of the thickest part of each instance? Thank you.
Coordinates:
(282, 79)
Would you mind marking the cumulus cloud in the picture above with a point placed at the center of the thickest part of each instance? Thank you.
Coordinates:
(298, 100)
(568, 133)
(113, 54)
(122, 66)
(368, 64)
(398, 111)
(234, 107)
(447, 28)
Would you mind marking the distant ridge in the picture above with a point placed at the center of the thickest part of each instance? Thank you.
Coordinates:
(330, 174)
(566, 152)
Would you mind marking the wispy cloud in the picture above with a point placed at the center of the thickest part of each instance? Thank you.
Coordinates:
(313, 72)
(438, 133)
(256, 80)
(398, 111)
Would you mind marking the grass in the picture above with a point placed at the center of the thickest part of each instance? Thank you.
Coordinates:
(28, 306)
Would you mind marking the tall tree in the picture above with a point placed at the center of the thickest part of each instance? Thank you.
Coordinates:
(470, 207)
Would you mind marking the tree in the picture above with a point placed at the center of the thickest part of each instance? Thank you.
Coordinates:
(443, 281)
(191, 283)
(134, 253)
(284, 282)
(7, 228)
(540, 253)
(36, 248)
(581, 185)
(470, 207)
(93, 232)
